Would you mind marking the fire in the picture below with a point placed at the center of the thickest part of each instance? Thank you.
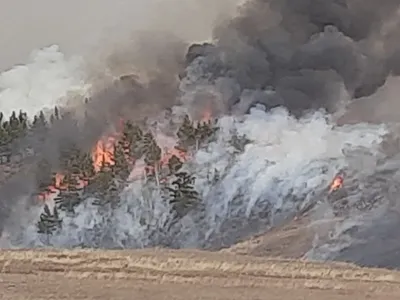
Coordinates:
(336, 184)
(103, 152)
(52, 189)
(58, 178)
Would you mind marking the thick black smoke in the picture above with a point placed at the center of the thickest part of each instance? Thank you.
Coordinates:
(310, 53)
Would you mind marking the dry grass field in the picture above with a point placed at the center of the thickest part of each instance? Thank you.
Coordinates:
(167, 274)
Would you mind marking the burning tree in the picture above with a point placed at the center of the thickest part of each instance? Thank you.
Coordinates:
(69, 195)
(104, 177)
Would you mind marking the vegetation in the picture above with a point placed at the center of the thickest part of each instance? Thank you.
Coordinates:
(72, 179)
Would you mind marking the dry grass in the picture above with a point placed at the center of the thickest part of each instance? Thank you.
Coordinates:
(183, 273)
(164, 263)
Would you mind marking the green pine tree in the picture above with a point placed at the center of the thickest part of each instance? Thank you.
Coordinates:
(137, 141)
(100, 182)
(239, 142)
(204, 133)
(186, 134)
(87, 168)
(174, 165)
(49, 222)
(23, 121)
(104, 188)
(69, 196)
(152, 156)
(121, 165)
(67, 201)
(56, 113)
(43, 174)
(182, 195)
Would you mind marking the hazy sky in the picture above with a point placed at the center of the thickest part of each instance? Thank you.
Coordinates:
(77, 24)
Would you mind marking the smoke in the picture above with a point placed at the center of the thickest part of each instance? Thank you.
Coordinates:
(267, 183)
(117, 84)
(285, 73)
(311, 54)
(98, 26)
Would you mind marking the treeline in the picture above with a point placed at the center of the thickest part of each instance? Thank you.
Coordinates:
(18, 126)
(77, 180)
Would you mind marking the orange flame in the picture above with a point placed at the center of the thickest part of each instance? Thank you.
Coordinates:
(336, 184)
(103, 152)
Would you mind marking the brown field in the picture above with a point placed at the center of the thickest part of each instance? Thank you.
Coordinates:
(166, 274)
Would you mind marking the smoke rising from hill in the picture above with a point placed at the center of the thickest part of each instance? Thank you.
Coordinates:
(300, 55)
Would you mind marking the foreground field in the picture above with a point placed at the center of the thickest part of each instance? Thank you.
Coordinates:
(166, 274)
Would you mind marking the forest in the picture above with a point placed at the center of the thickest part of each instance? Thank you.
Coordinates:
(81, 174)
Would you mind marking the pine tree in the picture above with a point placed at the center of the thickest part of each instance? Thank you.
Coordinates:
(4, 136)
(186, 134)
(70, 158)
(56, 113)
(121, 165)
(87, 168)
(55, 116)
(69, 196)
(152, 157)
(23, 121)
(42, 119)
(182, 194)
(8, 132)
(43, 175)
(239, 142)
(39, 127)
(39, 121)
(103, 187)
(67, 201)
(5, 139)
(49, 222)
(204, 133)
(137, 141)
(100, 182)
(14, 129)
(174, 165)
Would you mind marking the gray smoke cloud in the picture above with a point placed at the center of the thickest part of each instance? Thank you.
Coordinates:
(312, 54)
(133, 52)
